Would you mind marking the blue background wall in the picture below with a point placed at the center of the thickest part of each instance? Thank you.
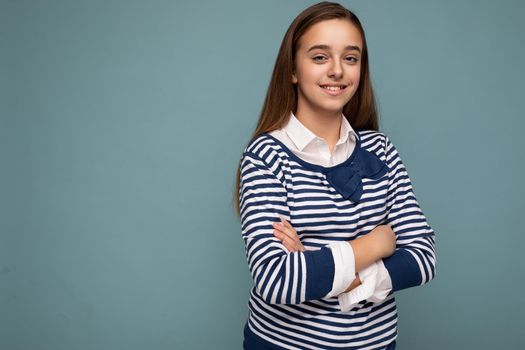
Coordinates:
(122, 124)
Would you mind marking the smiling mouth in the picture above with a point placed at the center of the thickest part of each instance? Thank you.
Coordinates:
(333, 90)
(333, 87)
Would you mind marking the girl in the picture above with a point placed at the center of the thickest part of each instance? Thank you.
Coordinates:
(328, 215)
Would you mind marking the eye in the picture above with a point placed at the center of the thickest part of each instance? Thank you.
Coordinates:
(351, 59)
(319, 58)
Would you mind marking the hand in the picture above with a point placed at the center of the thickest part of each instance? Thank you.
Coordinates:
(355, 283)
(384, 239)
(286, 233)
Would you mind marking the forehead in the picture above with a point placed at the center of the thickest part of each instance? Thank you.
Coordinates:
(336, 33)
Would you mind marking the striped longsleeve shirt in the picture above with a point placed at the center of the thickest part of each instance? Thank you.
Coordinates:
(289, 304)
(375, 281)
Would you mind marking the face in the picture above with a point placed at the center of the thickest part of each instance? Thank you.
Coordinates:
(327, 67)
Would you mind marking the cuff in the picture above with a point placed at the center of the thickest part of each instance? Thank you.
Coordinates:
(344, 263)
(384, 283)
(404, 270)
(375, 287)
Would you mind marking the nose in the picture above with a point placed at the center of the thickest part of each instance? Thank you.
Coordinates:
(336, 70)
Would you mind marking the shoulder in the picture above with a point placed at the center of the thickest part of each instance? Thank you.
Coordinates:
(373, 141)
(265, 151)
(371, 137)
(380, 144)
(261, 146)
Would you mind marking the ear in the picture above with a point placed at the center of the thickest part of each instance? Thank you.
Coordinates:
(294, 78)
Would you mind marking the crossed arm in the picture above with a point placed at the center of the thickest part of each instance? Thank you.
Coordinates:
(379, 243)
(297, 276)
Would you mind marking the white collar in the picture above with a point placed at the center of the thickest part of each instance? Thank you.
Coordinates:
(301, 136)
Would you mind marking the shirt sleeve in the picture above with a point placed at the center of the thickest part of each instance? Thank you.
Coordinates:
(375, 287)
(414, 261)
(383, 284)
(280, 276)
(344, 267)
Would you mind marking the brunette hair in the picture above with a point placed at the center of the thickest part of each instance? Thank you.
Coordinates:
(281, 97)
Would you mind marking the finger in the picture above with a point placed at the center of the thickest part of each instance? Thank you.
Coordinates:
(287, 242)
(286, 223)
(290, 237)
(292, 247)
(289, 248)
(289, 231)
(295, 245)
(278, 234)
(282, 237)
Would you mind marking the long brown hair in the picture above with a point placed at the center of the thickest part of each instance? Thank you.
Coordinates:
(281, 97)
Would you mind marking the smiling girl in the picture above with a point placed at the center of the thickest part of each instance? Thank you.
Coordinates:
(329, 218)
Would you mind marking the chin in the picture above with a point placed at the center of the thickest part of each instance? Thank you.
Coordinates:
(333, 108)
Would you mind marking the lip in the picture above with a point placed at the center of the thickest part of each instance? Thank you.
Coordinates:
(333, 92)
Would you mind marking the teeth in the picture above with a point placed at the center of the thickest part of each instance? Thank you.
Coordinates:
(332, 88)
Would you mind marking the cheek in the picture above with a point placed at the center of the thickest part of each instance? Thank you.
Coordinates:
(355, 73)
(355, 77)
(309, 74)
(357, 80)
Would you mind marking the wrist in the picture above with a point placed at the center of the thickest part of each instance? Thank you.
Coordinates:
(376, 246)
(355, 283)
(371, 244)
(365, 252)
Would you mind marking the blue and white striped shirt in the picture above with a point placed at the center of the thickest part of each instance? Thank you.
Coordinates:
(288, 305)
(375, 281)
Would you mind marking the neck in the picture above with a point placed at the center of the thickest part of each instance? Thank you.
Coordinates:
(324, 125)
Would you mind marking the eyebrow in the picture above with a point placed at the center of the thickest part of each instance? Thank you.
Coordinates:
(326, 47)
